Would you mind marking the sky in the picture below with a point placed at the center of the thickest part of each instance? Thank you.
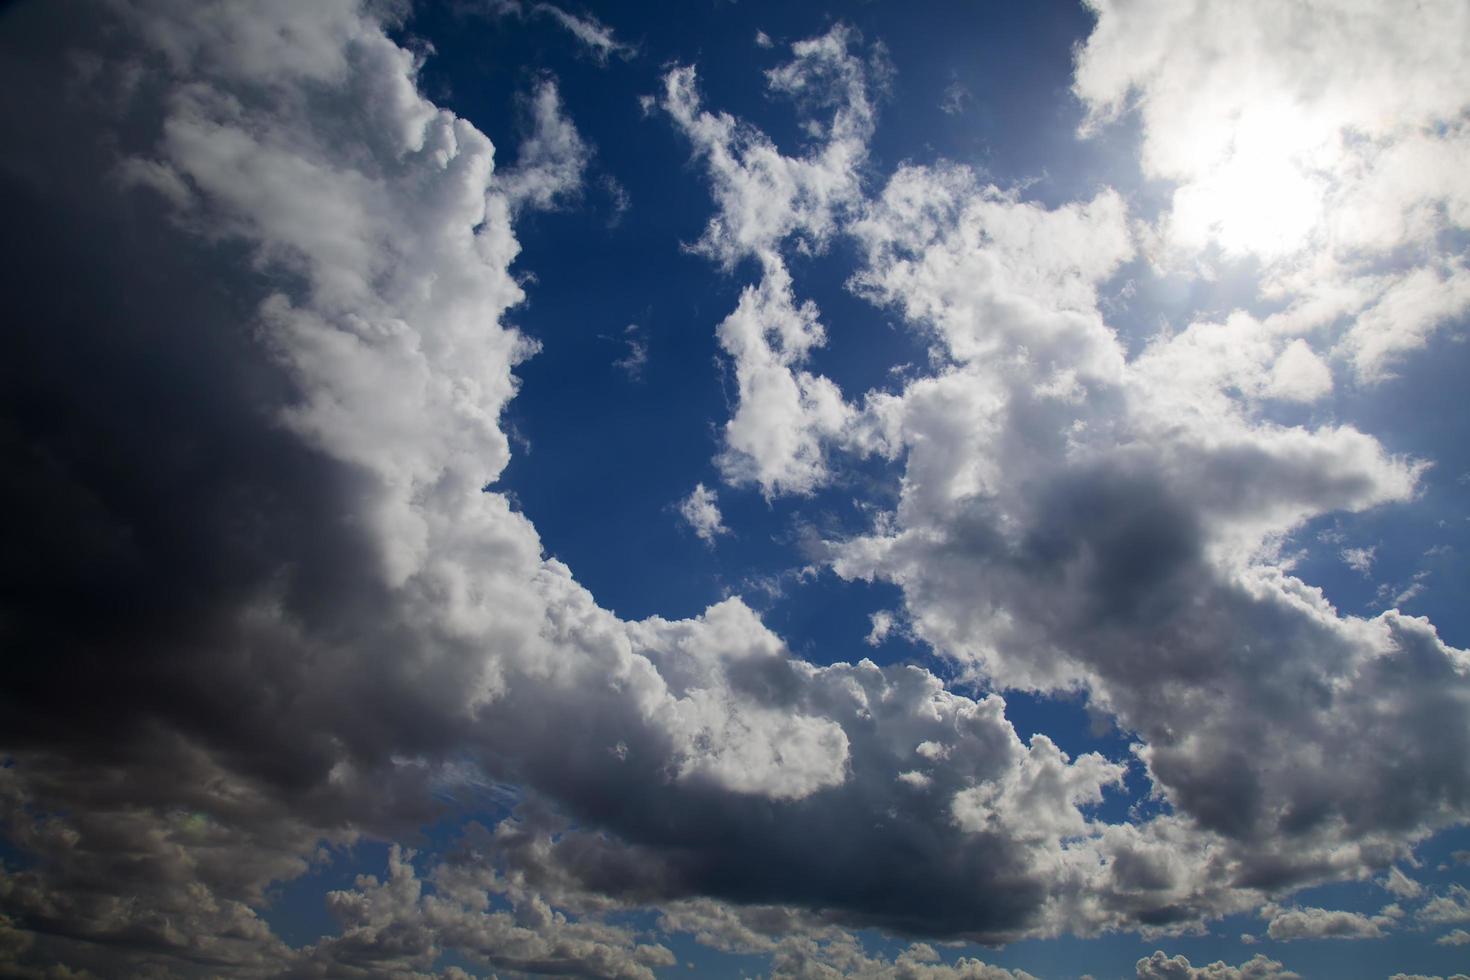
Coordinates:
(925, 490)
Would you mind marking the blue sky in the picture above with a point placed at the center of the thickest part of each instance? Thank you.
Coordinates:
(922, 490)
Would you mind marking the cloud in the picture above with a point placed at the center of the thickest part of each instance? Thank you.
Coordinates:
(882, 625)
(955, 97)
(1358, 559)
(1313, 923)
(1402, 885)
(551, 161)
(1259, 967)
(784, 416)
(766, 200)
(397, 925)
(1456, 937)
(278, 606)
(1317, 139)
(1446, 909)
(596, 36)
(633, 362)
(701, 511)
(800, 947)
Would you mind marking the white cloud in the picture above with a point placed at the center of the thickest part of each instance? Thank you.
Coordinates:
(1358, 559)
(1299, 375)
(882, 623)
(1402, 885)
(762, 196)
(1040, 797)
(766, 200)
(784, 416)
(1446, 909)
(1318, 138)
(551, 161)
(1313, 923)
(1258, 967)
(1456, 937)
(597, 37)
(701, 511)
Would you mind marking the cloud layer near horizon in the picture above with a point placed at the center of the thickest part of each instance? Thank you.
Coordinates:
(271, 603)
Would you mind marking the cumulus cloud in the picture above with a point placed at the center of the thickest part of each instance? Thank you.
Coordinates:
(1258, 967)
(350, 546)
(882, 623)
(701, 511)
(328, 632)
(766, 200)
(1456, 937)
(282, 608)
(1056, 520)
(1287, 924)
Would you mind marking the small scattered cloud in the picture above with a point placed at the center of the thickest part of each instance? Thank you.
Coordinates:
(551, 160)
(1458, 937)
(882, 625)
(701, 511)
(597, 36)
(633, 362)
(763, 40)
(956, 97)
(617, 199)
(1396, 595)
(1359, 560)
(1401, 884)
(1447, 909)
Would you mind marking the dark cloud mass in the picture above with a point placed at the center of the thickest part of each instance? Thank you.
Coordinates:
(258, 606)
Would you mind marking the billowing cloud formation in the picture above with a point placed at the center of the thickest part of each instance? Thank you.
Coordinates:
(267, 608)
(331, 622)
